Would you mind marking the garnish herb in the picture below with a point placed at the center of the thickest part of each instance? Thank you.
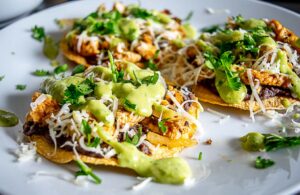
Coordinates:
(141, 13)
(255, 141)
(78, 69)
(20, 87)
(38, 33)
(162, 126)
(200, 156)
(85, 170)
(61, 69)
(87, 130)
(135, 139)
(150, 79)
(224, 63)
(95, 143)
(261, 163)
(211, 29)
(116, 75)
(74, 94)
(129, 105)
(41, 73)
(150, 64)
(2, 77)
(189, 16)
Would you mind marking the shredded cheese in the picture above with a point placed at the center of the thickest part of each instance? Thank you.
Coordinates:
(142, 184)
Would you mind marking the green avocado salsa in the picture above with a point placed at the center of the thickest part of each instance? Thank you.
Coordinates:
(141, 97)
(8, 119)
(169, 170)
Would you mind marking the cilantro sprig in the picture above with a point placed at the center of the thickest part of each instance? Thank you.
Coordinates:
(162, 125)
(21, 87)
(78, 69)
(61, 69)
(41, 73)
(87, 130)
(74, 94)
(262, 163)
(38, 33)
(2, 77)
(129, 105)
(86, 171)
(135, 139)
(224, 64)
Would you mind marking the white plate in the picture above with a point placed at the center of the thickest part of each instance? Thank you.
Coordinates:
(231, 169)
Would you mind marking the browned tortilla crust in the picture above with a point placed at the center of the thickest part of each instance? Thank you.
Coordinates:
(273, 103)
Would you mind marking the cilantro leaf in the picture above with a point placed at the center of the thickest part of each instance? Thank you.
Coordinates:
(61, 69)
(87, 130)
(162, 126)
(200, 156)
(150, 79)
(141, 13)
(129, 105)
(20, 87)
(2, 77)
(85, 170)
(95, 143)
(189, 16)
(41, 73)
(135, 139)
(261, 163)
(38, 33)
(74, 94)
(78, 69)
(211, 29)
(150, 64)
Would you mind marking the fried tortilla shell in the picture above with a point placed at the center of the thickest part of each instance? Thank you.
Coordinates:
(273, 103)
(61, 156)
(71, 55)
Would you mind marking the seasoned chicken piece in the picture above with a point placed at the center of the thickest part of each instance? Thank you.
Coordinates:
(89, 47)
(43, 110)
(146, 50)
(123, 117)
(284, 34)
(264, 77)
(178, 126)
(128, 56)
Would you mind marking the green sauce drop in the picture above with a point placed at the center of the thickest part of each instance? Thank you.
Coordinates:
(172, 170)
(8, 119)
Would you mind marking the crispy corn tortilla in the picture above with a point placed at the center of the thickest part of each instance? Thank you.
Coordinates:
(72, 55)
(62, 156)
(273, 103)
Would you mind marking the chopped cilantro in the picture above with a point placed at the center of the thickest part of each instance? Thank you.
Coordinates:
(78, 69)
(261, 163)
(211, 29)
(2, 77)
(38, 33)
(150, 64)
(189, 16)
(150, 79)
(129, 105)
(74, 94)
(61, 69)
(141, 13)
(41, 73)
(95, 143)
(135, 139)
(200, 156)
(20, 87)
(224, 64)
(87, 130)
(85, 170)
(162, 126)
